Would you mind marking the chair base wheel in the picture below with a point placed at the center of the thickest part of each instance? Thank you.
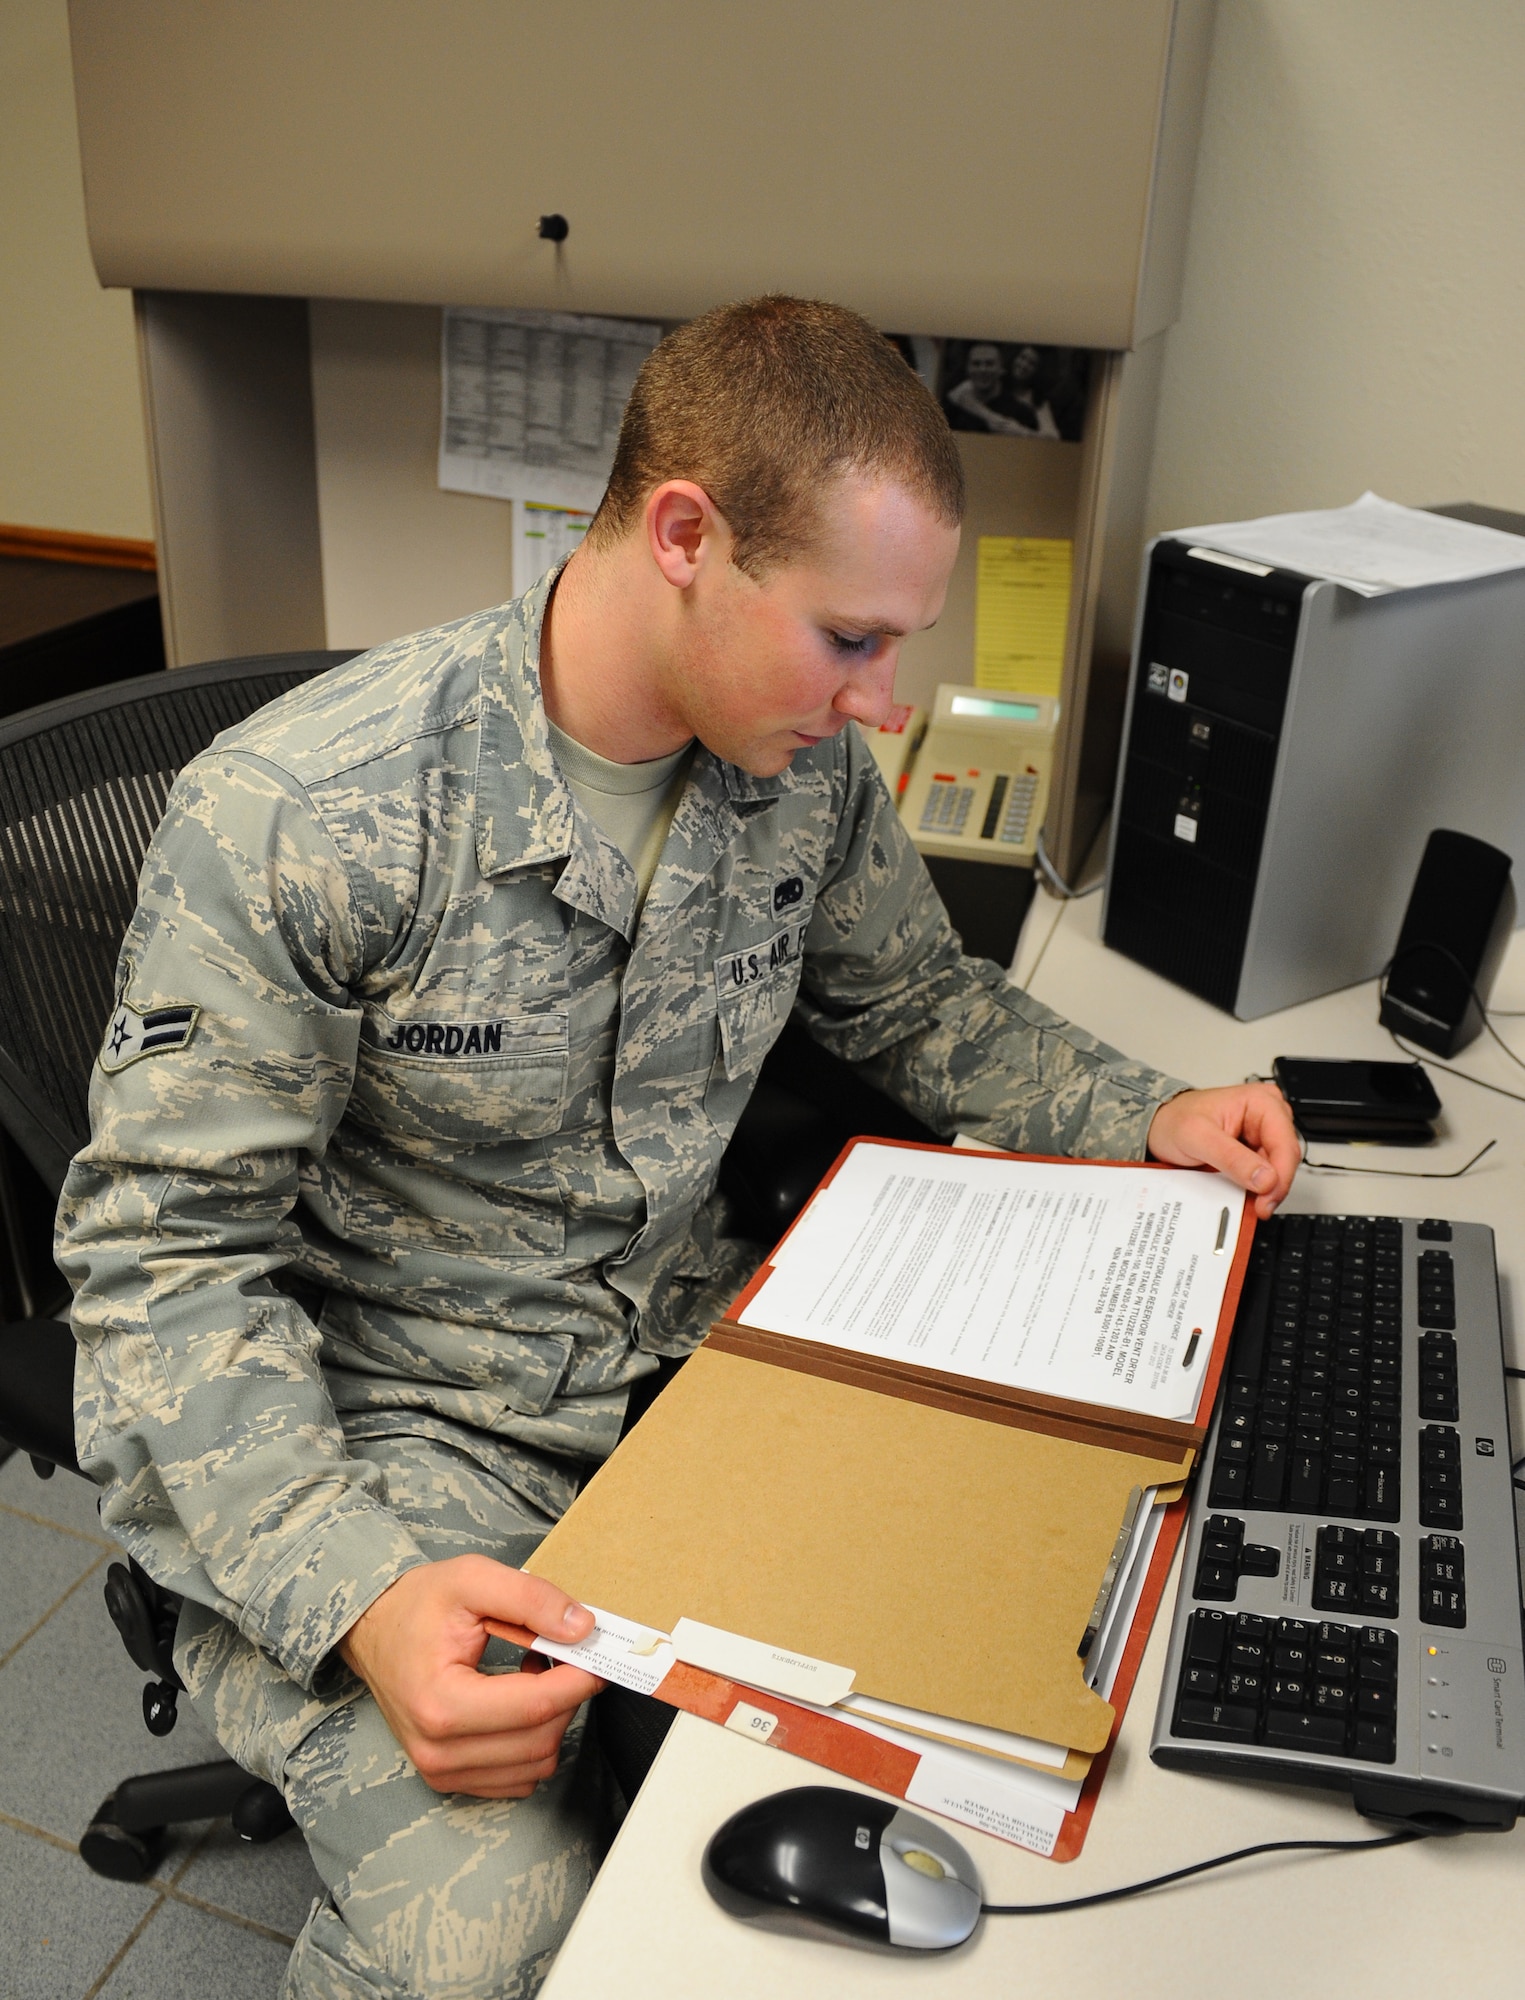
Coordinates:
(121, 1856)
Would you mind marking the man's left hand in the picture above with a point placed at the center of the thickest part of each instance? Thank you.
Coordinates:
(1244, 1129)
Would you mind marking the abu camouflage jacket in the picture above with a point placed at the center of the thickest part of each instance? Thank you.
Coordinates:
(388, 1027)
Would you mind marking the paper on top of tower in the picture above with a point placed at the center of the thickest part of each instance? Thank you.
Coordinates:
(1373, 546)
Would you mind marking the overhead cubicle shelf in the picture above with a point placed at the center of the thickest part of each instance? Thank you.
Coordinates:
(994, 169)
(293, 189)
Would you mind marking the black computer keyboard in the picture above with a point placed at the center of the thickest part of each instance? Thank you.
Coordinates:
(1350, 1610)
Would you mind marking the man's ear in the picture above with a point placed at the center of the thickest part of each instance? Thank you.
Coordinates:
(685, 531)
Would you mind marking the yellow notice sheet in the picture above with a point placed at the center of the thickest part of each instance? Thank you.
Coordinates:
(1021, 609)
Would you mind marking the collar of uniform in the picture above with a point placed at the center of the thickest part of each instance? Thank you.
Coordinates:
(524, 811)
(526, 814)
(741, 788)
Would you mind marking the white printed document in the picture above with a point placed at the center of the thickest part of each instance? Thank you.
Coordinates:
(1373, 546)
(1099, 1284)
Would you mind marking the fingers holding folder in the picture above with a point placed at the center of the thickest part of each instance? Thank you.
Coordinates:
(418, 1647)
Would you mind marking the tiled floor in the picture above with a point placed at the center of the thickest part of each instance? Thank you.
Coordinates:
(218, 1916)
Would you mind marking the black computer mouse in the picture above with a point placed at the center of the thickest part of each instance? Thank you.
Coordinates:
(822, 1862)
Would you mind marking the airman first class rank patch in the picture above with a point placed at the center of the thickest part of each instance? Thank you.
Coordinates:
(132, 1035)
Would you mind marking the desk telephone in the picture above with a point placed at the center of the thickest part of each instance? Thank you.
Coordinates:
(971, 781)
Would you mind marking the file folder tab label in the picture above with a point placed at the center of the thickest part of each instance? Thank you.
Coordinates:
(795, 1676)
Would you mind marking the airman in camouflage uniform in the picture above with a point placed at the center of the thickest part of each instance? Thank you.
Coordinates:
(408, 1119)
(437, 1073)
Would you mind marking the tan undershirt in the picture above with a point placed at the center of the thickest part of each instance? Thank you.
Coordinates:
(631, 804)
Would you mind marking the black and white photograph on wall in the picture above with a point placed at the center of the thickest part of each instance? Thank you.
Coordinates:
(921, 353)
(1011, 388)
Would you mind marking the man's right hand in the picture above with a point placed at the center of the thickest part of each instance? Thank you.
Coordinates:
(495, 1736)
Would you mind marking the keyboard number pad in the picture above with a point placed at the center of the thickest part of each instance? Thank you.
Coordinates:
(1289, 1684)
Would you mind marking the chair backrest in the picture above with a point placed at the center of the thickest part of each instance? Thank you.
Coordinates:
(83, 784)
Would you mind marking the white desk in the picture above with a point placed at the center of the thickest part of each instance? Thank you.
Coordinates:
(1418, 1922)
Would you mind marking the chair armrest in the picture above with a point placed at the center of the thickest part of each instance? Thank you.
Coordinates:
(37, 1390)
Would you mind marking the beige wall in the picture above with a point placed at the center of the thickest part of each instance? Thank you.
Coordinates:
(71, 432)
(1355, 282)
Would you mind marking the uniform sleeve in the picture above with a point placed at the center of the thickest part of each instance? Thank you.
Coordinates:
(200, 1403)
(887, 987)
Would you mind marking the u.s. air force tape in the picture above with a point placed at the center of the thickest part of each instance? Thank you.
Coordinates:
(130, 1035)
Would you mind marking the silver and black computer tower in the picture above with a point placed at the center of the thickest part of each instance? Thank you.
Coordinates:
(1288, 747)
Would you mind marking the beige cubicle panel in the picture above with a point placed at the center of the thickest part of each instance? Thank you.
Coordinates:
(1003, 169)
(227, 394)
(986, 169)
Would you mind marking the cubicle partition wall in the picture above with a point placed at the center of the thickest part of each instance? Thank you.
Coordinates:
(294, 191)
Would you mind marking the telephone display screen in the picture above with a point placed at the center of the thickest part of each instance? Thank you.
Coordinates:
(996, 709)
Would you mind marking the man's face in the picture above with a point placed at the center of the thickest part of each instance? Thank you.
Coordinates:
(767, 668)
(984, 371)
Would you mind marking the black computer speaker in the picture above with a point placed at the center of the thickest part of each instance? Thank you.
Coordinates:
(1454, 933)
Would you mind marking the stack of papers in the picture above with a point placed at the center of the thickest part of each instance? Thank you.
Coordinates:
(1373, 546)
(1072, 1280)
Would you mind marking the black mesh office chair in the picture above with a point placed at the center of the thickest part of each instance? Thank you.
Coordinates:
(83, 783)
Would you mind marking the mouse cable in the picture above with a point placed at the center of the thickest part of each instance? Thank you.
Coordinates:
(1398, 1839)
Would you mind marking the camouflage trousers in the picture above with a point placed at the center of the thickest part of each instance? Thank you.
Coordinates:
(429, 1897)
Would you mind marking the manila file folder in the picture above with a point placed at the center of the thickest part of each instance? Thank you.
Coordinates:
(944, 1539)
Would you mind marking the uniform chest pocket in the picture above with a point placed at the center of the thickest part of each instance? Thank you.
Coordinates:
(754, 992)
(463, 1084)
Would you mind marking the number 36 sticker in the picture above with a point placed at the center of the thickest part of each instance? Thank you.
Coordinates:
(754, 1722)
